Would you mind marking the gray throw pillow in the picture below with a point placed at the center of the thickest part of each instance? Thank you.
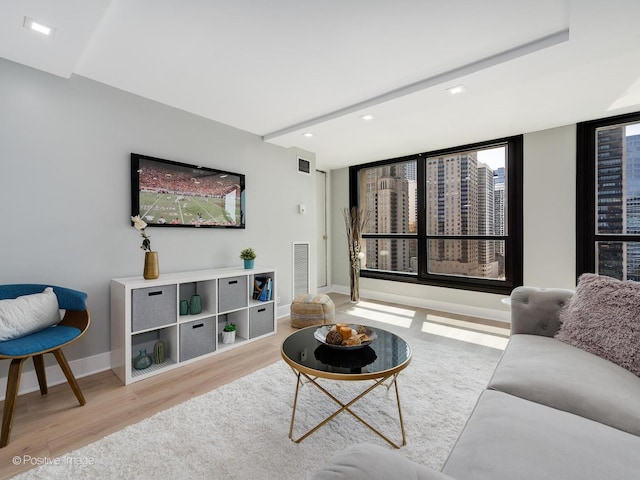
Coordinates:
(603, 318)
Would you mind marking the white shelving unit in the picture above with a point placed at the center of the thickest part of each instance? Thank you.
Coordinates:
(145, 311)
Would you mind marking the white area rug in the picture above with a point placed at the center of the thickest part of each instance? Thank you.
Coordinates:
(240, 430)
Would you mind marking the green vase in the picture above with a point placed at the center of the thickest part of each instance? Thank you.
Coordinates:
(195, 305)
(248, 264)
(184, 307)
(143, 360)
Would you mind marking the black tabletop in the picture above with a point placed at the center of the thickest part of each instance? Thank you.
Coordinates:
(387, 353)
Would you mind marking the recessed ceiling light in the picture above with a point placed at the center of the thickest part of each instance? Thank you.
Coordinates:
(457, 89)
(367, 117)
(31, 24)
(308, 134)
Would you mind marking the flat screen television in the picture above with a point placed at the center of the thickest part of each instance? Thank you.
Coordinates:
(172, 194)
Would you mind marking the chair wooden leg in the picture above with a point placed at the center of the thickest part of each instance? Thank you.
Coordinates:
(38, 363)
(62, 361)
(13, 384)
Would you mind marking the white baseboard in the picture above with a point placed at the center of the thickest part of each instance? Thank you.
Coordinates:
(283, 310)
(81, 367)
(486, 313)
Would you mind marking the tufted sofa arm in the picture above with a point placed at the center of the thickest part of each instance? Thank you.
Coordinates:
(535, 310)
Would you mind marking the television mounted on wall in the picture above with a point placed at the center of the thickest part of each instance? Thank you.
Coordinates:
(173, 194)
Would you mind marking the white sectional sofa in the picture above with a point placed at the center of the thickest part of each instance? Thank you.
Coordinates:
(550, 411)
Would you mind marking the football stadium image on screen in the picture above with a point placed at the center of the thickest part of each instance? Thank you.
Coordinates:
(175, 194)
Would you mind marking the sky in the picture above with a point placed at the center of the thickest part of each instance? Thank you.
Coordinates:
(494, 157)
(633, 129)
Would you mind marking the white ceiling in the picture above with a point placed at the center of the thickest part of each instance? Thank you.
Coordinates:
(280, 68)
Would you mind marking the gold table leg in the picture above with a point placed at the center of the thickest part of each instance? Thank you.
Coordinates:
(295, 402)
(345, 407)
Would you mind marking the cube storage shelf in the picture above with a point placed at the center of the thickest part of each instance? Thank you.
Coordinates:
(145, 311)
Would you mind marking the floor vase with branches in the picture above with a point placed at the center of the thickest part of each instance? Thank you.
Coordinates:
(355, 223)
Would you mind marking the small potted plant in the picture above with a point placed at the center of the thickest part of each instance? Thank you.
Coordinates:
(229, 333)
(248, 255)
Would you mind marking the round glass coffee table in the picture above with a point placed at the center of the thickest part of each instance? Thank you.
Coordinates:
(380, 362)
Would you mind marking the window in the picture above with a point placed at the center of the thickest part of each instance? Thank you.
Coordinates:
(448, 218)
(608, 197)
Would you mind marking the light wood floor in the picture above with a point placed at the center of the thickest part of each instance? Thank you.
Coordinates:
(49, 426)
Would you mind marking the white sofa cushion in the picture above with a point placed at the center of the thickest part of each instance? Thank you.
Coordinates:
(371, 462)
(509, 438)
(547, 371)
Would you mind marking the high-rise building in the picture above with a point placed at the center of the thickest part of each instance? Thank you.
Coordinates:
(486, 223)
(498, 202)
(460, 201)
(412, 188)
(412, 193)
(452, 209)
(386, 193)
(611, 204)
(499, 215)
(632, 190)
(411, 170)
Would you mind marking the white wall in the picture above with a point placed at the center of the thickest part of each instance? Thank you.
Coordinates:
(550, 208)
(549, 232)
(65, 191)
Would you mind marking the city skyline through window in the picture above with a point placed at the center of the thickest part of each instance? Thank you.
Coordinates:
(461, 201)
(618, 200)
(388, 195)
(441, 215)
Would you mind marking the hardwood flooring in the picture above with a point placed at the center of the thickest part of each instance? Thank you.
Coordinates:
(51, 425)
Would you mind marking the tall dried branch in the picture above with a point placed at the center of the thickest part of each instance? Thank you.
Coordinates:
(355, 223)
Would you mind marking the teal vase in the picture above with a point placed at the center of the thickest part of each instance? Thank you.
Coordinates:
(184, 307)
(195, 305)
(143, 360)
(248, 264)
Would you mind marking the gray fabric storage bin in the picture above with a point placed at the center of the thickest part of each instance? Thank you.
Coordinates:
(197, 338)
(153, 307)
(232, 293)
(260, 320)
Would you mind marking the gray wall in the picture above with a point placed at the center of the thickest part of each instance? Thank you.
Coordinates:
(65, 190)
(549, 230)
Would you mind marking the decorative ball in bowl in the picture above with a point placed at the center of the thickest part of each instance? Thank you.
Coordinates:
(345, 336)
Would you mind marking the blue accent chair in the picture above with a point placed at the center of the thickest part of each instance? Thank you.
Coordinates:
(50, 340)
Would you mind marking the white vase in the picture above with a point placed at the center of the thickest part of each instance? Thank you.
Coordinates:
(228, 337)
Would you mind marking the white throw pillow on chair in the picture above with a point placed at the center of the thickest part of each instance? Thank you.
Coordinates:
(28, 314)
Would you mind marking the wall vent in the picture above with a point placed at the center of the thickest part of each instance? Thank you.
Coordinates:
(304, 166)
(301, 268)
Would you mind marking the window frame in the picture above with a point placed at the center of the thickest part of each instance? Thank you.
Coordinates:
(586, 192)
(513, 239)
